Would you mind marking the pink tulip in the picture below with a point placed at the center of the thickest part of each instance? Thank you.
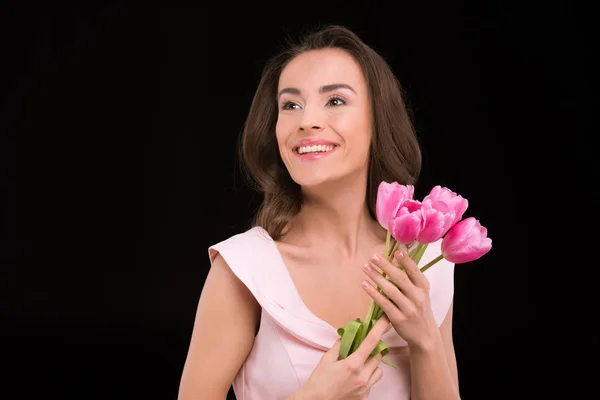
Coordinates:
(466, 241)
(455, 201)
(408, 222)
(389, 198)
(438, 218)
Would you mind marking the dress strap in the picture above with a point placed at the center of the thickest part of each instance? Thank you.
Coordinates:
(254, 258)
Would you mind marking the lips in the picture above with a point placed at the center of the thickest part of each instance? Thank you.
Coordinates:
(315, 150)
(314, 142)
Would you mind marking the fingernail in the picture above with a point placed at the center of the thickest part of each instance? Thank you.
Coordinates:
(399, 254)
(367, 267)
(365, 284)
(375, 259)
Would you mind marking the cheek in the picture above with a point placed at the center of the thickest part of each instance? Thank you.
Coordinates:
(354, 127)
(283, 132)
(283, 129)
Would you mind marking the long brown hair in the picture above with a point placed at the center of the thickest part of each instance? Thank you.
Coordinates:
(395, 154)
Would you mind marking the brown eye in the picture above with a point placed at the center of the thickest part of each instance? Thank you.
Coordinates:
(288, 105)
(335, 101)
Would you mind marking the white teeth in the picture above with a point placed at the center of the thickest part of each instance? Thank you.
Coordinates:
(319, 148)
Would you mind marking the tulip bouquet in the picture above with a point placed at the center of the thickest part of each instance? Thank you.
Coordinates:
(409, 221)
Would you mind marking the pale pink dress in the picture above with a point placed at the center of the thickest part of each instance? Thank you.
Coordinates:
(291, 339)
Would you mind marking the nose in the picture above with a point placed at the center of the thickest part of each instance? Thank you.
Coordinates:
(312, 120)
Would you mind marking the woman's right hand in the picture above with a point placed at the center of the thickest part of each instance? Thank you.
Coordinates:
(350, 378)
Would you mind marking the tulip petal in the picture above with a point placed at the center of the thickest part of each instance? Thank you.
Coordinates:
(471, 253)
(405, 229)
(460, 205)
(389, 198)
(437, 219)
(454, 201)
(466, 241)
(408, 223)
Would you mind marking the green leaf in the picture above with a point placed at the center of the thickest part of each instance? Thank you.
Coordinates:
(348, 335)
(359, 338)
(360, 335)
(388, 363)
(380, 348)
(352, 331)
(384, 350)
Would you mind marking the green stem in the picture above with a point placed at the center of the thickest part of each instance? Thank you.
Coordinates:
(374, 309)
(411, 254)
(420, 251)
(388, 254)
(388, 238)
(432, 262)
(396, 245)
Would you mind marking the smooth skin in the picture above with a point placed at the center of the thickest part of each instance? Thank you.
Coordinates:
(350, 378)
(217, 338)
(323, 94)
(219, 346)
(407, 305)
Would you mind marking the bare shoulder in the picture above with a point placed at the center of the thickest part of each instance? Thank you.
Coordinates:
(223, 334)
(223, 289)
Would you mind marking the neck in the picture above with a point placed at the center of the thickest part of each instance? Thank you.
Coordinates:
(338, 216)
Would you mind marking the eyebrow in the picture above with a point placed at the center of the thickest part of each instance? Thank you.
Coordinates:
(322, 89)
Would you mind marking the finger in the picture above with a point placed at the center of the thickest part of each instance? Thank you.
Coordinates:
(375, 377)
(403, 247)
(398, 277)
(389, 324)
(388, 288)
(371, 364)
(334, 352)
(388, 305)
(361, 355)
(412, 270)
(371, 371)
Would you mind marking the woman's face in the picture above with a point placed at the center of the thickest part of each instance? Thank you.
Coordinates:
(324, 125)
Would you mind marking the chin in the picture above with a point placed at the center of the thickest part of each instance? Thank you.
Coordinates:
(317, 179)
(308, 181)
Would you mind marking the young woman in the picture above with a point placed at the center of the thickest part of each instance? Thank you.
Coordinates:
(327, 124)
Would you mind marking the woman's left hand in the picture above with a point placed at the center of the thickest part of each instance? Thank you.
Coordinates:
(408, 305)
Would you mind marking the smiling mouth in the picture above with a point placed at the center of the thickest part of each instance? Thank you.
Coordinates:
(315, 149)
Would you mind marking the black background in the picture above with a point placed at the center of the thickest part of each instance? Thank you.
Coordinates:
(118, 127)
